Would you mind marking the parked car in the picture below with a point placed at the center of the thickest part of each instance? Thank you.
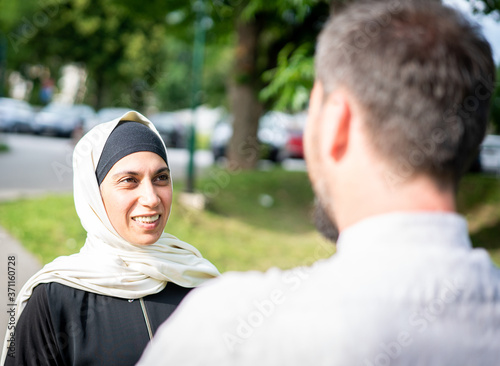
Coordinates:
(15, 115)
(279, 135)
(109, 113)
(62, 119)
(489, 155)
(295, 143)
(105, 115)
(173, 131)
(219, 139)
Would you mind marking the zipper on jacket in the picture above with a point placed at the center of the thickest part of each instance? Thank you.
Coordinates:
(146, 318)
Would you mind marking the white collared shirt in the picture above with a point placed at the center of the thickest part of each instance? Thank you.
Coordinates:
(402, 289)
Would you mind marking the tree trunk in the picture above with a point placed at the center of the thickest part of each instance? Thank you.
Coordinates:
(243, 152)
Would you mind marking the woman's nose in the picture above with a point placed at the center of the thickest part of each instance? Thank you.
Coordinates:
(148, 195)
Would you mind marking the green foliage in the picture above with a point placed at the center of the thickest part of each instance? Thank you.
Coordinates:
(288, 35)
(287, 23)
(479, 201)
(173, 89)
(293, 10)
(485, 6)
(12, 12)
(120, 49)
(495, 106)
(136, 53)
(202, 141)
(291, 81)
(491, 7)
(132, 52)
(12, 15)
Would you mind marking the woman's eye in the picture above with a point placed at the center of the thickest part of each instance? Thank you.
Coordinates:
(128, 180)
(163, 178)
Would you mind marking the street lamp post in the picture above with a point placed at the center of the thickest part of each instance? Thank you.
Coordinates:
(3, 62)
(197, 69)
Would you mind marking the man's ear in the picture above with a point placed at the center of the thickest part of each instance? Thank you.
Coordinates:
(315, 101)
(338, 113)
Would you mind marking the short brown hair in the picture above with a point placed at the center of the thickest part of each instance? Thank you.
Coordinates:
(422, 73)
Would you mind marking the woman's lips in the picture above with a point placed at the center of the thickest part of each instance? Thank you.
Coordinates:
(147, 222)
(146, 219)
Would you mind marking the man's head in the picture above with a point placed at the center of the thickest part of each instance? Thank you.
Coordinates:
(415, 78)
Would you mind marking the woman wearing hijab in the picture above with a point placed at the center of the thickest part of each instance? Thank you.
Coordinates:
(102, 305)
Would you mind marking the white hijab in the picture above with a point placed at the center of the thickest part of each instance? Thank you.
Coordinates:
(107, 264)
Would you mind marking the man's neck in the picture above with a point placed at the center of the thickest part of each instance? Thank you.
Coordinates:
(421, 194)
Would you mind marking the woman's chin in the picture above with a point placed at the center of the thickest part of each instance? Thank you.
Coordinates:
(146, 239)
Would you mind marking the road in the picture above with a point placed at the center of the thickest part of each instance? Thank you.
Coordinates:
(36, 164)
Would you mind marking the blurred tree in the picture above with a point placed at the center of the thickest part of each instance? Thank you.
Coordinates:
(11, 14)
(132, 52)
(290, 82)
(271, 37)
(491, 7)
(120, 49)
(244, 39)
(173, 90)
(486, 6)
(146, 50)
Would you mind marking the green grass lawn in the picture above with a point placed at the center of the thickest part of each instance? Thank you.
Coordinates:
(253, 220)
(3, 147)
(479, 201)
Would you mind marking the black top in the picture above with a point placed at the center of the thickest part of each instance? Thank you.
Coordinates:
(65, 326)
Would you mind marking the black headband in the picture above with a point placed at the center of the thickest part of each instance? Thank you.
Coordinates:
(127, 138)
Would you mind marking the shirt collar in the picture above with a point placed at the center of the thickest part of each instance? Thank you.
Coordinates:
(406, 228)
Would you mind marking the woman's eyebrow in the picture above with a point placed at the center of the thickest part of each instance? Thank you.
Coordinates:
(127, 172)
(124, 172)
(162, 170)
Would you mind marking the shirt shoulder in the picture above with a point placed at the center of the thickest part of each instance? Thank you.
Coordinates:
(233, 290)
(222, 316)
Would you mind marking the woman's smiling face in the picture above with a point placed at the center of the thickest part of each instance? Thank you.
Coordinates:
(137, 195)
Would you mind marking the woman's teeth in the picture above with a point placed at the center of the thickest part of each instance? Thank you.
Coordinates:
(146, 219)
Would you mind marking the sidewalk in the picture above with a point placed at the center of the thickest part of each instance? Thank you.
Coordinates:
(25, 266)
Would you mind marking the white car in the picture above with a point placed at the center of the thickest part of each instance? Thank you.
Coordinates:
(489, 155)
(15, 115)
(62, 119)
(105, 115)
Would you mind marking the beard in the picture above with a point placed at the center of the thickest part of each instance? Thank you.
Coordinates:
(325, 225)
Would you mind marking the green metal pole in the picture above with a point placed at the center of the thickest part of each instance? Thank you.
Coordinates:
(3, 62)
(197, 69)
